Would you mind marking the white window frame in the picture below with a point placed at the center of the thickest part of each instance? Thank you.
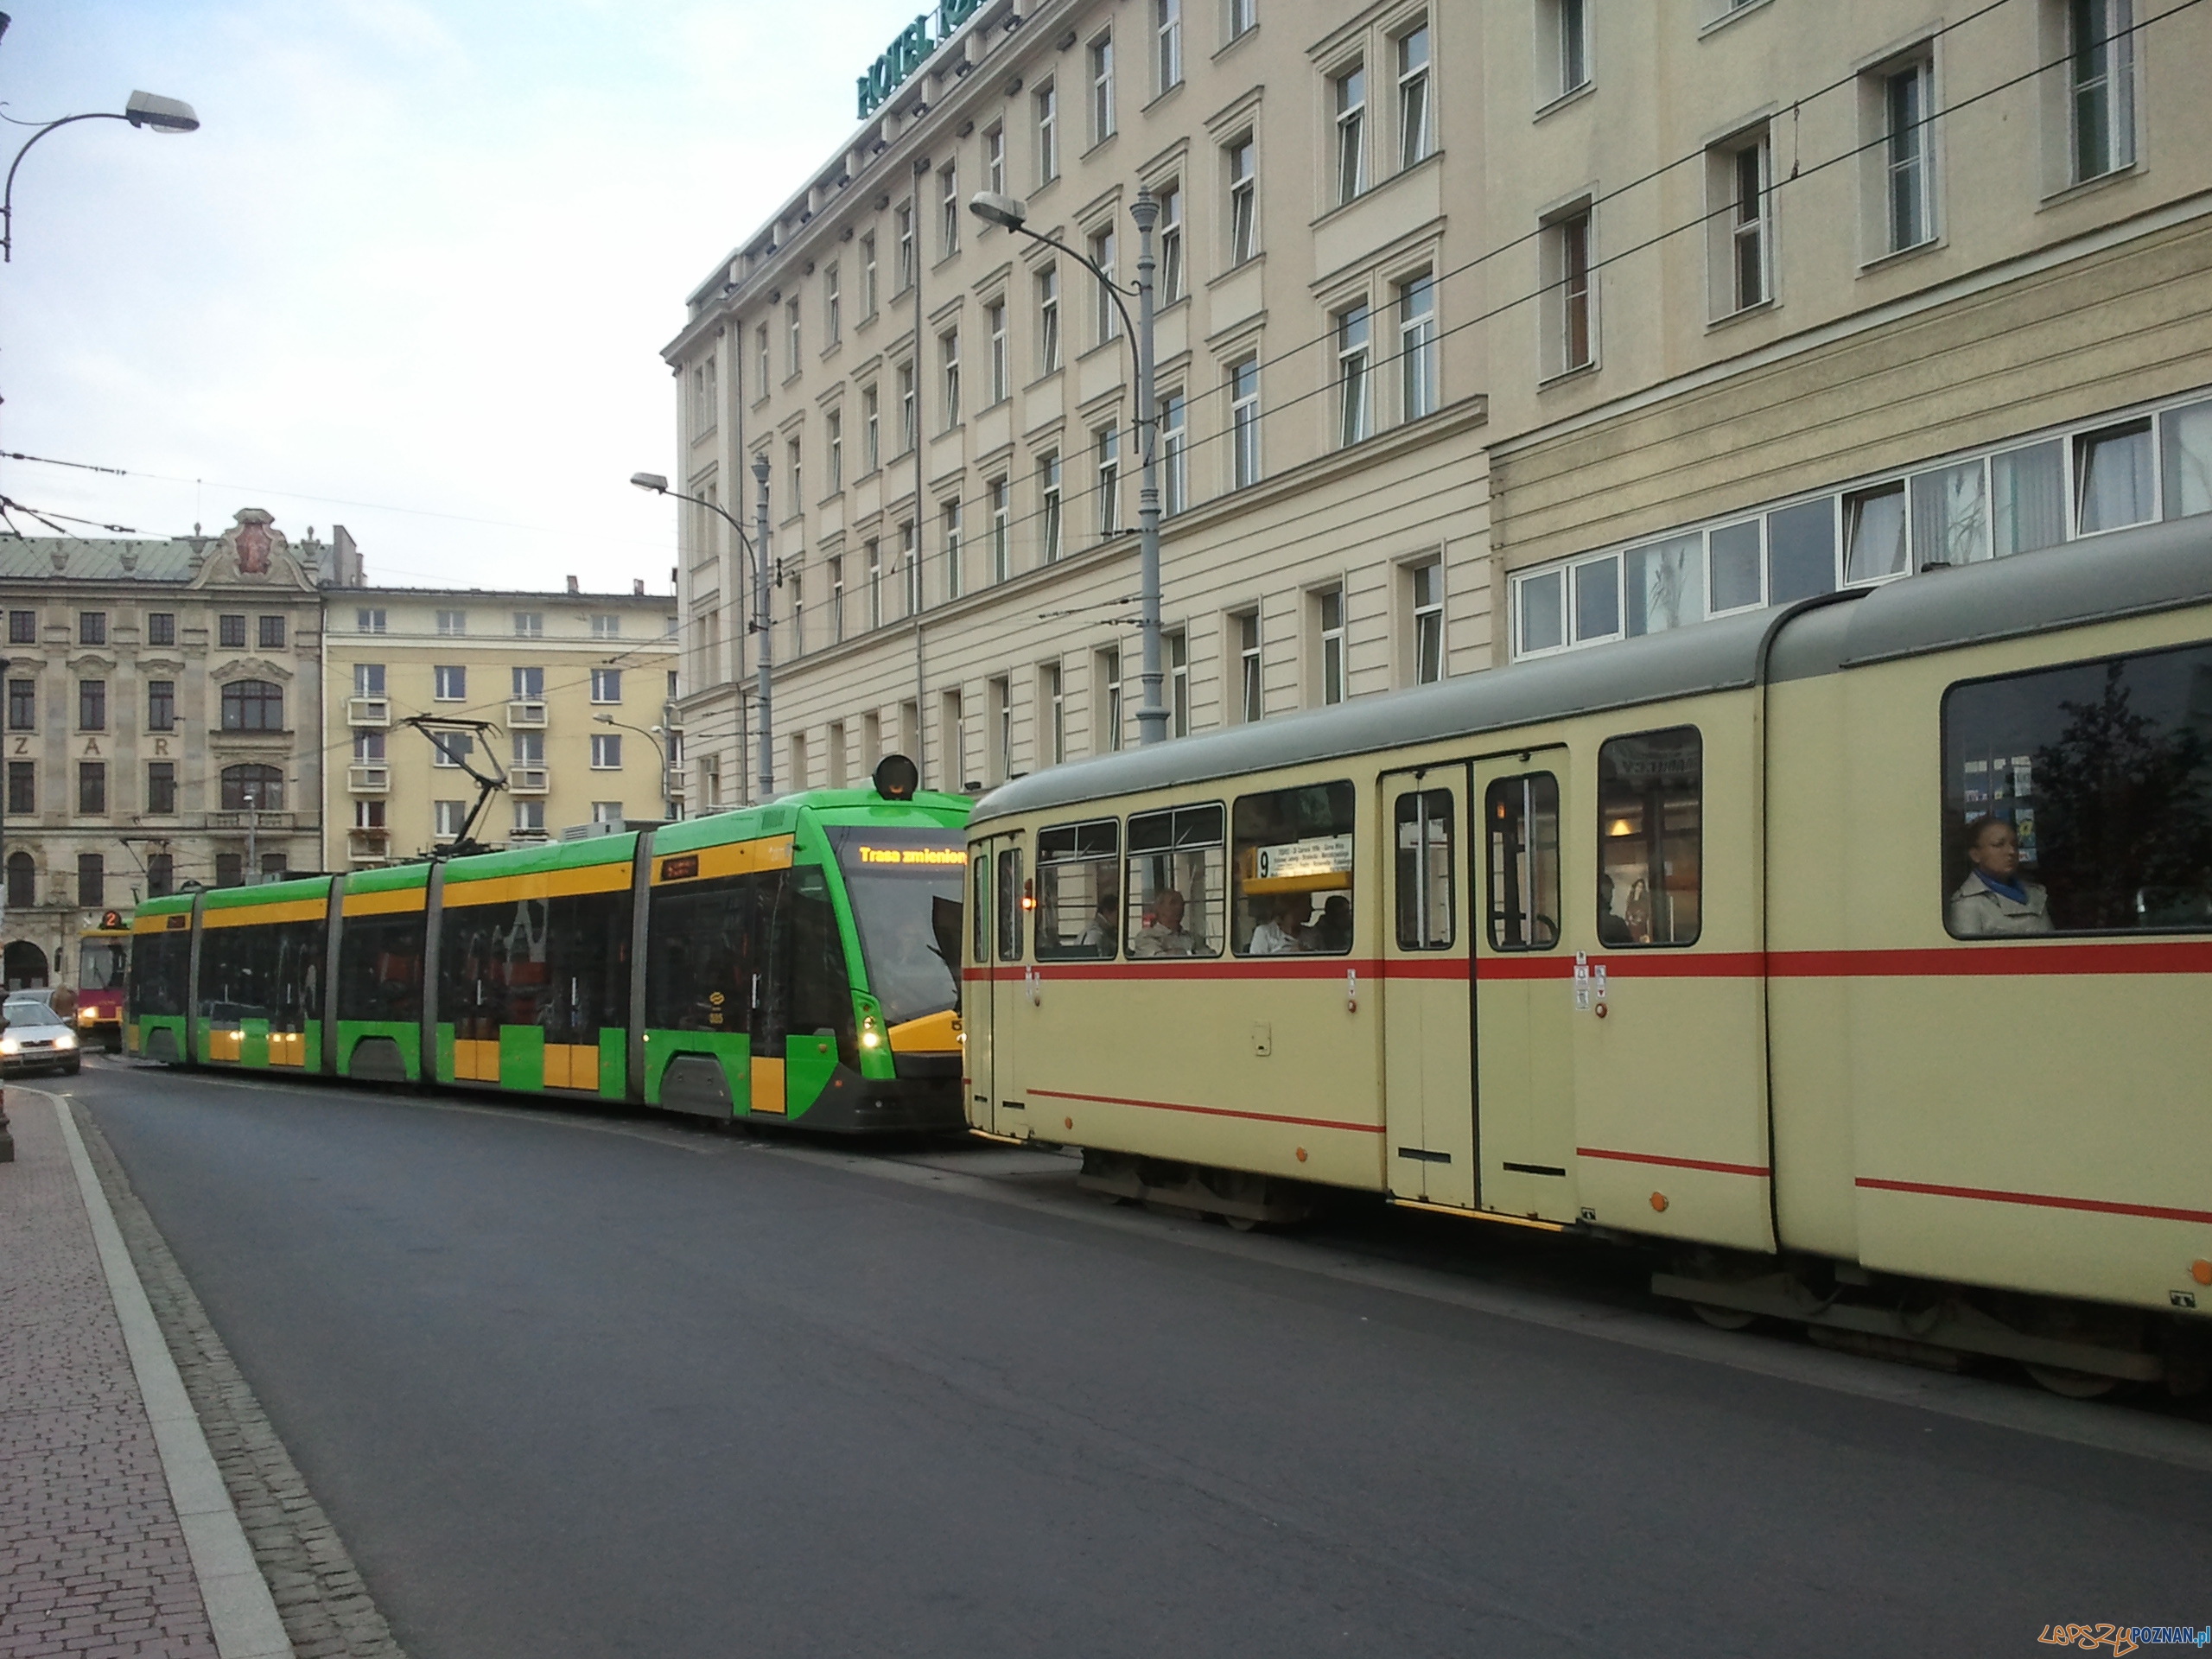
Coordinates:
(1355, 333)
(1045, 110)
(1172, 277)
(1244, 422)
(1907, 212)
(832, 312)
(948, 183)
(995, 158)
(1740, 180)
(1100, 56)
(1106, 449)
(1109, 317)
(833, 428)
(1416, 93)
(605, 751)
(948, 347)
(1251, 684)
(607, 685)
(1348, 98)
(949, 525)
(449, 682)
(1175, 453)
(994, 325)
(1240, 157)
(1568, 270)
(1332, 685)
(1420, 346)
(1167, 34)
(1048, 320)
(1049, 506)
(1427, 619)
(1001, 490)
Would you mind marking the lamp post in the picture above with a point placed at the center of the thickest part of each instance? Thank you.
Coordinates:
(144, 110)
(1012, 213)
(764, 691)
(652, 737)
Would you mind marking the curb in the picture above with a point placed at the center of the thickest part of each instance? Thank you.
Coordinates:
(240, 1610)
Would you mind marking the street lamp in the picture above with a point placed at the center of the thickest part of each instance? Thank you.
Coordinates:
(653, 737)
(1011, 213)
(763, 694)
(144, 109)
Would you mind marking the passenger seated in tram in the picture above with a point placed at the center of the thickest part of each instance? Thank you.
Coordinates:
(1995, 899)
(1331, 935)
(1278, 935)
(1098, 937)
(1612, 926)
(1163, 935)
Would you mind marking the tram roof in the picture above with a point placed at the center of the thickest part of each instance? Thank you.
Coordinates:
(2159, 566)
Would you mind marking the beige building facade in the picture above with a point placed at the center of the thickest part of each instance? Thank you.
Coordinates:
(572, 692)
(1485, 332)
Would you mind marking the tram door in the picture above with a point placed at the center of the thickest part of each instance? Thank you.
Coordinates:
(1525, 989)
(1428, 1039)
(975, 1000)
(995, 940)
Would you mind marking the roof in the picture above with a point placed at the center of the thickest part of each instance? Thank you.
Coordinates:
(30, 558)
(2159, 566)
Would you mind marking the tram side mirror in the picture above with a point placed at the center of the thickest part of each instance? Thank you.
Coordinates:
(897, 778)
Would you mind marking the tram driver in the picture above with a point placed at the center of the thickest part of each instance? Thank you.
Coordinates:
(1163, 935)
(1995, 899)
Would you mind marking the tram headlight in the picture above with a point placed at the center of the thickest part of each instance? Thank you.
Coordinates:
(86, 1016)
(871, 1032)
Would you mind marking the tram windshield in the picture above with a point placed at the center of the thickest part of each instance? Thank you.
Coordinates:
(100, 964)
(905, 886)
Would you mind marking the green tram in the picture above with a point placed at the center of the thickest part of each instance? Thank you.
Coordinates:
(796, 961)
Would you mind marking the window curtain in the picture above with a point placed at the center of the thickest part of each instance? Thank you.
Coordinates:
(2028, 497)
(1665, 585)
(1950, 516)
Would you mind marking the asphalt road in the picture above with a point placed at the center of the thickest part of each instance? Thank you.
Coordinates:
(594, 1385)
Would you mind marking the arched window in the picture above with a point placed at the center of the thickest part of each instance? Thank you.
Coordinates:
(23, 881)
(253, 706)
(257, 788)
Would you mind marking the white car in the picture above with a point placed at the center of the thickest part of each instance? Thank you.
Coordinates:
(35, 1038)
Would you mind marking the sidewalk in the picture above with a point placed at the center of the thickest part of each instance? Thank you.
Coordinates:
(117, 1538)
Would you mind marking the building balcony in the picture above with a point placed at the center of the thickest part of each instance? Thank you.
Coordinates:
(368, 846)
(675, 783)
(527, 715)
(527, 837)
(368, 711)
(263, 820)
(369, 778)
(527, 780)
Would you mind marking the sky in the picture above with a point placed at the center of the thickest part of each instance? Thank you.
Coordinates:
(413, 273)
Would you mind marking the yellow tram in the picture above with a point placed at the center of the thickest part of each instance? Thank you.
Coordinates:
(1853, 953)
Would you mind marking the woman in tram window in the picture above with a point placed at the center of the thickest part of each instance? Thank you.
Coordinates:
(1279, 935)
(1995, 899)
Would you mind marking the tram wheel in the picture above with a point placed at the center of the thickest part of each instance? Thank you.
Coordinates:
(1245, 1224)
(1722, 1319)
(2071, 1385)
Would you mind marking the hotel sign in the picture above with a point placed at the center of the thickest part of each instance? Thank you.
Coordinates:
(910, 51)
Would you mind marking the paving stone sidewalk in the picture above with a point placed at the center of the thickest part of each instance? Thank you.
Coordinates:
(92, 1556)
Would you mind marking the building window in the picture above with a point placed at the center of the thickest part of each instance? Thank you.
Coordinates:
(607, 685)
(871, 428)
(1052, 695)
(796, 476)
(1174, 455)
(1106, 448)
(1048, 320)
(1244, 423)
(910, 560)
(948, 192)
(796, 579)
(1110, 699)
(161, 705)
(760, 358)
(1354, 347)
(529, 624)
(1427, 584)
(253, 706)
(605, 751)
(91, 788)
(529, 819)
(92, 628)
(1047, 106)
(1329, 608)
(368, 747)
(1744, 232)
(23, 802)
(606, 812)
(230, 633)
(1002, 549)
(161, 874)
(451, 748)
(995, 160)
(369, 621)
(947, 351)
(1417, 348)
(1175, 646)
(453, 624)
(449, 682)
(1242, 160)
(161, 627)
(1247, 627)
(2100, 58)
(1350, 90)
(949, 521)
(837, 573)
(230, 869)
(908, 430)
(2112, 483)
(1171, 243)
(1243, 17)
(833, 316)
(1048, 501)
(994, 329)
(833, 426)
(22, 629)
(1167, 33)
(791, 337)
(1000, 712)
(253, 789)
(902, 224)
(1110, 314)
(867, 276)
(1101, 88)
(446, 818)
(607, 626)
(1565, 250)
(91, 705)
(91, 880)
(270, 633)
(1907, 101)
(1562, 48)
(368, 814)
(22, 705)
(1416, 126)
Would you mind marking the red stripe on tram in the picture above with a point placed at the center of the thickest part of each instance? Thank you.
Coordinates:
(1208, 1112)
(2038, 1200)
(1760, 1170)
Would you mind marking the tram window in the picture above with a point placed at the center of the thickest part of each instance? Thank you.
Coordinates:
(2078, 800)
(494, 969)
(699, 956)
(1423, 822)
(1010, 905)
(1522, 814)
(587, 967)
(1079, 890)
(265, 971)
(1294, 871)
(1650, 822)
(1174, 895)
(979, 909)
(158, 965)
(380, 968)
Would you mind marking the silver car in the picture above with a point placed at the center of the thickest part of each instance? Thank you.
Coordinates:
(35, 1038)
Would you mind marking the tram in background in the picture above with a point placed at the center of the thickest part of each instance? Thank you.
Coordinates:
(103, 968)
(795, 962)
(1850, 957)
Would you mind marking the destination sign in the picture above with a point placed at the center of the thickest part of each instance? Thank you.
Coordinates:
(910, 51)
(1317, 855)
(937, 857)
